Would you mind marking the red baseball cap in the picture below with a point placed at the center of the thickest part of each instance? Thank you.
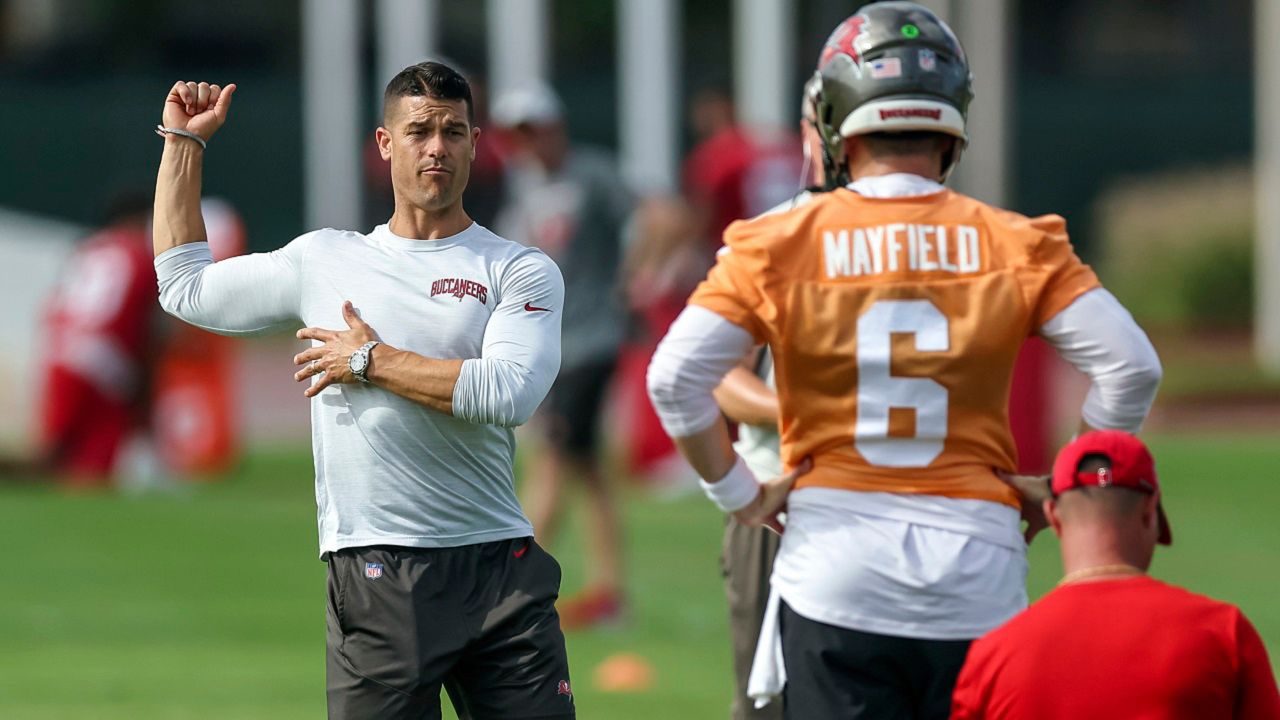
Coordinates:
(1131, 467)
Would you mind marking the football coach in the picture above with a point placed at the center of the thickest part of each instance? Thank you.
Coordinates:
(1110, 641)
(431, 339)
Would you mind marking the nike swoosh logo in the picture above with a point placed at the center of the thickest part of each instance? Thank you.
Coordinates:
(528, 307)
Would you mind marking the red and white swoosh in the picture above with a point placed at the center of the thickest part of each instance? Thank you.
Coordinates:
(529, 307)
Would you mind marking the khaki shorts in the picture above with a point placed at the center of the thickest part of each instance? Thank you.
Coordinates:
(747, 559)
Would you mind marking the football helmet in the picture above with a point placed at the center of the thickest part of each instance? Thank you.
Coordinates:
(892, 67)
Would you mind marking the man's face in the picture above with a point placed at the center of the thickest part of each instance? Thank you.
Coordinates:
(546, 142)
(430, 145)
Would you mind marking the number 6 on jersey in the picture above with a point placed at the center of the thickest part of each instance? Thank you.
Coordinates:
(878, 390)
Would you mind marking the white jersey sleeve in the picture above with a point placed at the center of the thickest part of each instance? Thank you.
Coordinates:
(1100, 338)
(698, 351)
(242, 295)
(521, 354)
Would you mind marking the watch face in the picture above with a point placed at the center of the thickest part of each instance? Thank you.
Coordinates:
(359, 361)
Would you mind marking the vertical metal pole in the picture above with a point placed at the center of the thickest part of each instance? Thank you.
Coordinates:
(331, 113)
(764, 63)
(408, 33)
(519, 35)
(984, 27)
(648, 92)
(1267, 171)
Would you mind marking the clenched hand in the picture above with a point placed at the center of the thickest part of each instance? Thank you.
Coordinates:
(200, 108)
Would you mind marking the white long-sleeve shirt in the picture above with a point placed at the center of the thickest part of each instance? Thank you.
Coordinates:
(390, 471)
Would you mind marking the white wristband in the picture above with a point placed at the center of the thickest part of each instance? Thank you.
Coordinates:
(162, 131)
(736, 490)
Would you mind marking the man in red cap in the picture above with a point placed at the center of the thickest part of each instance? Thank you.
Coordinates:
(1111, 641)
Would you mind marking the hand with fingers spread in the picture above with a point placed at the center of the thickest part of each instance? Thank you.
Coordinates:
(200, 108)
(1033, 490)
(330, 360)
(772, 500)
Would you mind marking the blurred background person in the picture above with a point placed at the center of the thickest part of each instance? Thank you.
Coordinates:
(732, 172)
(570, 202)
(1111, 641)
(99, 349)
(129, 396)
(665, 260)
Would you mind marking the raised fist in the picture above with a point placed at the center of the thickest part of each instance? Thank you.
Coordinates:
(200, 108)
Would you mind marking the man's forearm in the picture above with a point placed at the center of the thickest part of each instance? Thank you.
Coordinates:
(177, 219)
(426, 381)
(745, 398)
(709, 451)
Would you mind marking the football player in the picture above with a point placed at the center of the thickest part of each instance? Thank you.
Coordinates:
(894, 309)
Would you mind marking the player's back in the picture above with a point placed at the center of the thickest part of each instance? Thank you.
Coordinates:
(895, 323)
(1134, 648)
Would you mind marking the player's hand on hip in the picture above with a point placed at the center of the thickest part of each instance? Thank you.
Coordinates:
(772, 500)
(1033, 490)
(329, 360)
(197, 107)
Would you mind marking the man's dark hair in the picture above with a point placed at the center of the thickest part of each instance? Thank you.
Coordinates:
(911, 142)
(430, 79)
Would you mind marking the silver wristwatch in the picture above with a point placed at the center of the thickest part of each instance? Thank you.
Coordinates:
(359, 361)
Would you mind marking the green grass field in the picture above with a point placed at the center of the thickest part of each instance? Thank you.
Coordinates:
(209, 603)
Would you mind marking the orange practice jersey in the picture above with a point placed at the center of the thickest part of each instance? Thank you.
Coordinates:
(894, 324)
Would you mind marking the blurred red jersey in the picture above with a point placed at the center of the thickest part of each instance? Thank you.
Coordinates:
(99, 336)
(734, 175)
(1132, 648)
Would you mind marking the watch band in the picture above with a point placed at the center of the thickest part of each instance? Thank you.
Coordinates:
(362, 374)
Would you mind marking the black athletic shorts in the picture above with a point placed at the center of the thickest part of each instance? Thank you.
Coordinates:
(834, 673)
(572, 409)
(479, 620)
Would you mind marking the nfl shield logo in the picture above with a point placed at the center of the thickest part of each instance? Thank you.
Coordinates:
(928, 60)
(563, 688)
(373, 571)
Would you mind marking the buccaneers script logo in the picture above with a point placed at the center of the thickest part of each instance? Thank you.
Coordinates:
(460, 288)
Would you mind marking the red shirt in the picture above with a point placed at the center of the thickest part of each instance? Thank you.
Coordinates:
(95, 355)
(1133, 648)
(99, 319)
(734, 175)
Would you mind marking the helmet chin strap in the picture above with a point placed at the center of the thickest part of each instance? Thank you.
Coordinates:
(833, 174)
(951, 159)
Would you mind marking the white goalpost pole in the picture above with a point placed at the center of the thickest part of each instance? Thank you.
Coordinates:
(648, 92)
(1267, 185)
(331, 113)
(407, 33)
(764, 87)
(519, 39)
